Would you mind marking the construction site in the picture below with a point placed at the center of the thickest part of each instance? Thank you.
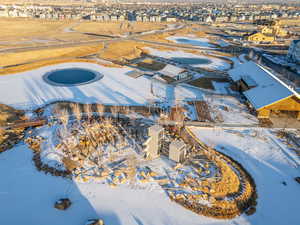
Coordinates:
(117, 147)
(170, 126)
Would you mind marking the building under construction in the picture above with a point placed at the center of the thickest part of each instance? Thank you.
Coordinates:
(158, 144)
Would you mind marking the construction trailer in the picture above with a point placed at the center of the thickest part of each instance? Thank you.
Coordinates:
(177, 151)
(154, 142)
(265, 92)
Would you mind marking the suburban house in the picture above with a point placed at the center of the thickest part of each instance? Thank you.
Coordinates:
(275, 30)
(259, 37)
(264, 91)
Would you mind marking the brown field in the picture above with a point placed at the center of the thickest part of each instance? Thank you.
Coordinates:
(122, 50)
(117, 28)
(35, 65)
(206, 83)
(126, 50)
(289, 22)
(8, 59)
(23, 61)
(21, 32)
(194, 29)
(24, 31)
(20, 27)
(151, 64)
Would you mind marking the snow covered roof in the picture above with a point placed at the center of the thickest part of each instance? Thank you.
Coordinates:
(269, 88)
(171, 71)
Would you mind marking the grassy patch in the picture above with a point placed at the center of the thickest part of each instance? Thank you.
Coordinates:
(167, 79)
(8, 59)
(31, 66)
(202, 83)
(117, 28)
(206, 83)
(151, 64)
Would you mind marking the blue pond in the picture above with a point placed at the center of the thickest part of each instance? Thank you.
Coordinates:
(71, 77)
(191, 61)
(193, 42)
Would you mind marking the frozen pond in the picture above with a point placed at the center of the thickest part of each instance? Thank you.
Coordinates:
(191, 61)
(201, 42)
(72, 76)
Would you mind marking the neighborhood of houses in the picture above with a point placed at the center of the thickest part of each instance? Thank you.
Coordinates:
(205, 12)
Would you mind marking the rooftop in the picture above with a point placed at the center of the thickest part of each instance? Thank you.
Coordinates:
(269, 88)
(171, 71)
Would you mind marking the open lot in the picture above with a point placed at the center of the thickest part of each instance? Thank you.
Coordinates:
(22, 61)
(117, 28)
(27, 32)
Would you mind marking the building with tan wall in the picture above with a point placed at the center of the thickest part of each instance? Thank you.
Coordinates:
(261, 38)
(264, 91)
(154, 142)
(177, 151)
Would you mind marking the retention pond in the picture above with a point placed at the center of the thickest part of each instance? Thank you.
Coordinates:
(71, 77)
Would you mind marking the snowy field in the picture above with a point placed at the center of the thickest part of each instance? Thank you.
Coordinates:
(213, 64)
(201, 42)
(27, 197)
(269, 165)
(228, 109)
(223, 43)
(30, 194)
(28, 89)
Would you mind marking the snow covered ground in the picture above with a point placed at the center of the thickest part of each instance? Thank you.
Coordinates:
(28, 89)
(228, 109)
(213, 63)
(28, 196)
(223, 43)
(268, 164)
(201, 42)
